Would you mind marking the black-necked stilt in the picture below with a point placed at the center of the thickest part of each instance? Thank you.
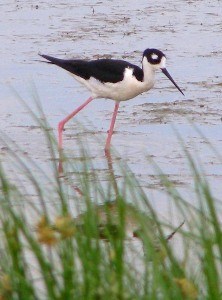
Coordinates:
(113, 79)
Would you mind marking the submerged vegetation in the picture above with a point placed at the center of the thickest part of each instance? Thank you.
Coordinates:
(73, 236)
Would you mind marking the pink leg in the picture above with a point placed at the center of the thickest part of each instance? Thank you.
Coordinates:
(111, 127)
(64, 121)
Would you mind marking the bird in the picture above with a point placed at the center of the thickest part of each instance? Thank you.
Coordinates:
(114, 79)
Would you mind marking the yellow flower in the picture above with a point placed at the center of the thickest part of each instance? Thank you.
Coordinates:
(187, 287)
(45, 234)
(5, 283)
(65, 226)
(5, 287)
(42, 223)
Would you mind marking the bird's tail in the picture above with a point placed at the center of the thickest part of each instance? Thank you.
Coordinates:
(51, 60)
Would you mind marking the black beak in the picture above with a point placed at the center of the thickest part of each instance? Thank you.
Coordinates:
(164, 70)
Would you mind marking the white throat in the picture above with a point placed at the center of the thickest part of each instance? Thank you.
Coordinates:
(148, 71)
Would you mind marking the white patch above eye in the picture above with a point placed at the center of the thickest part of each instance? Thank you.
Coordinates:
(163, 62)
(154, 56)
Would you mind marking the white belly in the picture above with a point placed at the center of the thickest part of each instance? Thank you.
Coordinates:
(120, 91)
(126, 89)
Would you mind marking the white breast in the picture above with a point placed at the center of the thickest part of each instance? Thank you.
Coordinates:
(126, 89)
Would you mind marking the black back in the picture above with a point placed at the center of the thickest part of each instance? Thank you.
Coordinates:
(104, 70)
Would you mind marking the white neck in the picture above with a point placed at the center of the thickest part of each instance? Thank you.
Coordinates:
(148, 71)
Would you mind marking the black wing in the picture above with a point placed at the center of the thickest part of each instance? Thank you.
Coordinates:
(105, 70)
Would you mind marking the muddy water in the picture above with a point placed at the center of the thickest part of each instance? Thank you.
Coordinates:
(189, 32)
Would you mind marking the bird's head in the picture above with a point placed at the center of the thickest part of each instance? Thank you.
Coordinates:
(157, 61)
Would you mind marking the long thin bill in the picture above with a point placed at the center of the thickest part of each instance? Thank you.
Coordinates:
(164, 70)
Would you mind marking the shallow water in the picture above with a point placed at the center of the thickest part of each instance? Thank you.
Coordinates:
(188, 33)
